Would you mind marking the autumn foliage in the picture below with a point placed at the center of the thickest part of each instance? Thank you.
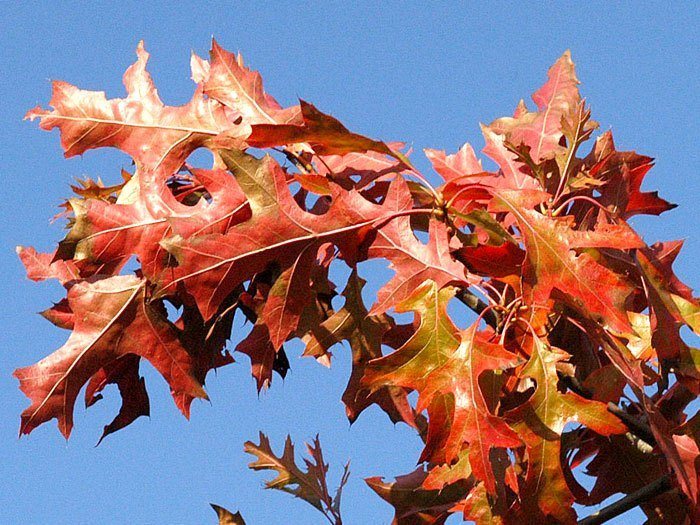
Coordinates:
(574, 358)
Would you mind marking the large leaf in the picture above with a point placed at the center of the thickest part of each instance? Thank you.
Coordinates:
(553, 263)
(113, 318)
(110, 233)
(444, 366)
(540, 424)
(155, 135)
(278, 232)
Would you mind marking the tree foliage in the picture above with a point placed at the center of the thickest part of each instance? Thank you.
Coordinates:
(574, 359)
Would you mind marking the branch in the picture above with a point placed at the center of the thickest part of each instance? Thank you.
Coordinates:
(638, 428)
(646, 493)
(478, 306)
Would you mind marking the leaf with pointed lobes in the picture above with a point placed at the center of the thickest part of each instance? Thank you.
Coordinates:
(309, 485)
(672, 307)
(103, 232)
(226, 517)
(541, 130)
(540, 423)
(462, 192)
(415, 505)
(458, 165)
(364, 334)
(153, 134)
(237, 87)
(444, 365)
(60, 315)
(553, 263)
(264, 358)
(622, 173)
(325, 134)
(206, 341)
(124, 372)
(279, 231)
(113, 318)
(90, 189)
(513, 173)
(42, 266)
(412, 261)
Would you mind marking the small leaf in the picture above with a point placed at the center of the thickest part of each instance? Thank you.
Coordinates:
(226, 517)
(310, 486)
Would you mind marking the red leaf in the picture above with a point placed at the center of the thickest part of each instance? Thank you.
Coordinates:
(461, 164)
(42, 266)
(552, 263)
(155, 135)
(541, 131)
(623, 173)
(325, 134)
(413, 261)
(241, 89)
(107, 233)
(444, 366)
(124, 372)
(112, 319)
(211, 266)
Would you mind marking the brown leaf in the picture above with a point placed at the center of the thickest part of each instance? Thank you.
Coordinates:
(227, 517)
(364, 333)
(325, 134)
(310, 486)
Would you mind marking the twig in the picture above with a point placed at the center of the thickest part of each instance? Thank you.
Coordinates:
(573, 384)
(646, 493)
(638, 428)
(475, 304)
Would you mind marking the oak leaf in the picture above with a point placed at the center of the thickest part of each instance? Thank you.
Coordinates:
(156, 136)
(113, 318)
(444, 366)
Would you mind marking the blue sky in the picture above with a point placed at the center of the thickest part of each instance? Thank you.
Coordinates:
(419, 72)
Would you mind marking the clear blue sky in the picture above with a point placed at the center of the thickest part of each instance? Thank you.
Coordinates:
(425, 74)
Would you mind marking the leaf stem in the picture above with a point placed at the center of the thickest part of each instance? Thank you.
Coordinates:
(646, 493)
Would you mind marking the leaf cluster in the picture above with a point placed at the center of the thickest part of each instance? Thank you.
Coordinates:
(573, 360)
